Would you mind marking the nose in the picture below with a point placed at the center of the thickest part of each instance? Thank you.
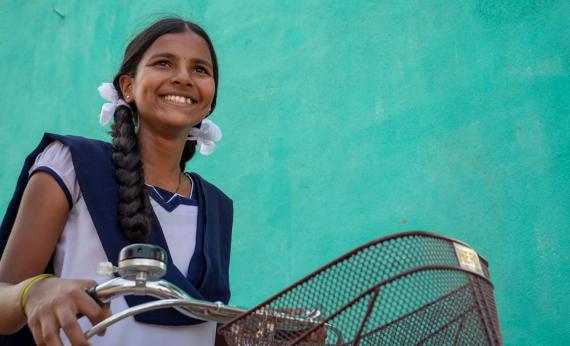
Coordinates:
(182, 77)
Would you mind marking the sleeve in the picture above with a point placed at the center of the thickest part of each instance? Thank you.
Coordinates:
(56, 161)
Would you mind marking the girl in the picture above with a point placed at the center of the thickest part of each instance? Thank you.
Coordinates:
(79, 201)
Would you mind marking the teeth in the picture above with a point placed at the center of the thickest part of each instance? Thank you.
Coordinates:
(178, 99)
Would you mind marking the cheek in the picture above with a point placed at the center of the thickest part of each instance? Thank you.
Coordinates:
(209, 88)
(145, 89)
(145, 85)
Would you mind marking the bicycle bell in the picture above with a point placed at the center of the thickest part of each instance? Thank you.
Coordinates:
(142, 262)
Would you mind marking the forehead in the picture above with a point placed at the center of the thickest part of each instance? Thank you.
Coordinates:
(184, 45)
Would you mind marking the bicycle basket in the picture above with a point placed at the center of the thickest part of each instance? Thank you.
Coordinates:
(412, 288)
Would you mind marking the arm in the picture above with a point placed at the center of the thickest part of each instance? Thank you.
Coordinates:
(40, 219)
(51, 303)
(11, 319)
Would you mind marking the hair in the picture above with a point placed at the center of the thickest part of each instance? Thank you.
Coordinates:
(134, 206)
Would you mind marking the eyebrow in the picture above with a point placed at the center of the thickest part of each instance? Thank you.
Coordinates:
(172, 56)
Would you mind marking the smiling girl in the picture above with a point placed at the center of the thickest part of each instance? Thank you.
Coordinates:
(79, 201)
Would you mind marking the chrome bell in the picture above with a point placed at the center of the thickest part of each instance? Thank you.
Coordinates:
(142, 262)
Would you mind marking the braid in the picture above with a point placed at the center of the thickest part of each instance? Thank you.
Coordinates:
(187, 153)
(134, 205)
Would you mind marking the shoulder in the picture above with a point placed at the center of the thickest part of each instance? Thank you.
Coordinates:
(54, 151)
(79, 142)
(84, 151)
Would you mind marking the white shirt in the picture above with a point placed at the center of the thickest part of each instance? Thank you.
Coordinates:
(79, 250)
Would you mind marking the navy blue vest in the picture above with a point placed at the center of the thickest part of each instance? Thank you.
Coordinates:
(208, 273)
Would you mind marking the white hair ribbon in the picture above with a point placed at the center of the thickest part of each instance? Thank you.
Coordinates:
(206, 136)
(109, 93)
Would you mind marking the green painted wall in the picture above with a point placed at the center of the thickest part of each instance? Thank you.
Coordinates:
(345, 121)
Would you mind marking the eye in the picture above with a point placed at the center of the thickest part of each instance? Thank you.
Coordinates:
(163, 63)
(202, 70)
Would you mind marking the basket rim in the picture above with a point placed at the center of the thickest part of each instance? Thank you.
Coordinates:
(351, 253)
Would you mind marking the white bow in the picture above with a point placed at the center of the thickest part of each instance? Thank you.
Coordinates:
(206, 136)
(109, 93)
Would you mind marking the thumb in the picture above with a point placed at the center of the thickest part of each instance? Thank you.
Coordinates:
(86, 283)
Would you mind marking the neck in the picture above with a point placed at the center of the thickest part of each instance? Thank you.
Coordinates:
(161, 158)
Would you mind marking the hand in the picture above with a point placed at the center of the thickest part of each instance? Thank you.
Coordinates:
(54, 303)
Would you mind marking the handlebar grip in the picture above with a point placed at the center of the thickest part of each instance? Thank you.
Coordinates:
(93, 294)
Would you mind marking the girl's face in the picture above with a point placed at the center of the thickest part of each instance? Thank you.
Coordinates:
(174, 84)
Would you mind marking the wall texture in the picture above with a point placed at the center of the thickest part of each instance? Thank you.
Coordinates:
(345, 121)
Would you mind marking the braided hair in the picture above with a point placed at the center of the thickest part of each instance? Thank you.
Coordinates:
(134, 206)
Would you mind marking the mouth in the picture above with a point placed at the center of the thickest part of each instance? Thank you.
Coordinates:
(178, 100)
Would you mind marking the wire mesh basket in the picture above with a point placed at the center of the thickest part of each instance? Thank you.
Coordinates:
(411, 288)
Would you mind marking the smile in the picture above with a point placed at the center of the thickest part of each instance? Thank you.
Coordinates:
(178, 100)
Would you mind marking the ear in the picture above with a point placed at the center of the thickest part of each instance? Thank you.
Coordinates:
(126, 85)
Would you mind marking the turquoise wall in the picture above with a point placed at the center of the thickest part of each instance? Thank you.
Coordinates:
(345, 121)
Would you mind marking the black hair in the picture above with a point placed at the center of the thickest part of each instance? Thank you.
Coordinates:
(134, 206)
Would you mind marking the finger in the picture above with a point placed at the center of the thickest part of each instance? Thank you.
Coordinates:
(106, 313)
(107, 310)
(88, 307)
(86, 283)
(68, 322)
(50, 332)
(90, 288)
(36, 330)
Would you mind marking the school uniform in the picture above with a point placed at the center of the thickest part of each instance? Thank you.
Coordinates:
(195, 231)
